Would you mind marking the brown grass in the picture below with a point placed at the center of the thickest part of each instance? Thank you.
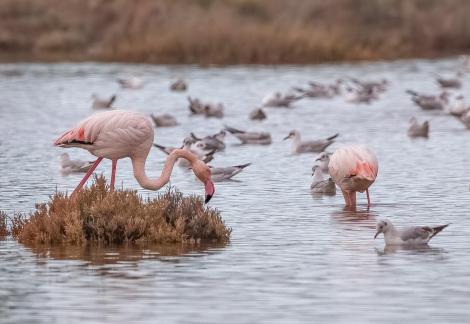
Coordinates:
(100, 216)
(4, 231)
(231, 31)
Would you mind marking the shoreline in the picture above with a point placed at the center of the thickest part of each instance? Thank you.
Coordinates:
(69, 60)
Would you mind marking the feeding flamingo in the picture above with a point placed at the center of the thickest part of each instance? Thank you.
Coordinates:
(353, 168)
(118, 134)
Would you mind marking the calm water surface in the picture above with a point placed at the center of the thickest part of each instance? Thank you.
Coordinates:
(293, 258)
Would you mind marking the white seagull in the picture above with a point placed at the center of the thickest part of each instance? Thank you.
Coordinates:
(262, 138)
(320, 185)
(71, 166)
(416, 235)
(226, 173)
(309, 146)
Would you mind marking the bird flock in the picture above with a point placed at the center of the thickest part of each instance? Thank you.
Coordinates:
(351, 168)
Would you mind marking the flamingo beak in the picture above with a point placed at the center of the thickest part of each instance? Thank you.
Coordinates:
(288, 136)
(210, 190)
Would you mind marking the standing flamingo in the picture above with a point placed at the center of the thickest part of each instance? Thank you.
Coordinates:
(353, 168)
(118, 134)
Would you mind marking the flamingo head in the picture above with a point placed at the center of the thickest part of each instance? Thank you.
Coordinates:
(203, 173)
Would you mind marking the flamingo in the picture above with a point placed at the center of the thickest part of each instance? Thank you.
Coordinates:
(118, 134)
(353, 168)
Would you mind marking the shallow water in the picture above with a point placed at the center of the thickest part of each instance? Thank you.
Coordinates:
(292, 257)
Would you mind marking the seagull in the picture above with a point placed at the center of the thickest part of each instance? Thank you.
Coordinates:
(358, 96)
(262, 138)
(429, 102)
(195, 106)
(457, 107)
(450, 82)
(371, 86)
(226, 173)
(99, 103)
(258, 114)
(212, 142)
(277, 99)
(324, 159)
(318, 90)
(309, 146)
(131, 83)
(71, 166)
(320, 185)
(418, 130)
(416, 235)
(178, 85)
(165, 120)
(207, 109)
(214, 110)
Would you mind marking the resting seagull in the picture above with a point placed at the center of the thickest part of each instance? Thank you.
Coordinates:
(417, 129)
(309, 146)
(416, 235)
(262, 138)
(320, 185)
(226, 173)
(71, 166)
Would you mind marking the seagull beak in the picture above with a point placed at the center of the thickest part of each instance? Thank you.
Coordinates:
(210, 190)
(377, 234)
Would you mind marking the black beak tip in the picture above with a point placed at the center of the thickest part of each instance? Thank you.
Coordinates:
(208, 198)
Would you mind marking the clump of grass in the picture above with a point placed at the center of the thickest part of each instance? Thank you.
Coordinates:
(100, 216)
(4, 231)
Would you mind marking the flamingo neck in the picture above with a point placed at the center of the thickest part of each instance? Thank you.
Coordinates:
(145, 182)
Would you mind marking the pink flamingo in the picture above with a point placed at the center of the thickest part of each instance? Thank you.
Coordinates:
(118, 134)
(353, 168)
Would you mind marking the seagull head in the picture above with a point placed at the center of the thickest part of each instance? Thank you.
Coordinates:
(323, 156)
(292, 133)
(382, 227)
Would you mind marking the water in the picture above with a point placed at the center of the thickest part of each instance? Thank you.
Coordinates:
(292, 257)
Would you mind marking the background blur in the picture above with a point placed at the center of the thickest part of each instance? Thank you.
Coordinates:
(231, 31)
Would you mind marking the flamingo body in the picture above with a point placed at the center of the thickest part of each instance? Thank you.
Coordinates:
(353, 168)
(112, 135)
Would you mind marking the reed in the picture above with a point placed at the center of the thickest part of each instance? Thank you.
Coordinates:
(123, 216)
(231, 31)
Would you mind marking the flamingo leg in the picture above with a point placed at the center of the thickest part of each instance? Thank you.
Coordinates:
(113, 174)
(346, 197)
(87, 175)
(368, 198)
(352, 198)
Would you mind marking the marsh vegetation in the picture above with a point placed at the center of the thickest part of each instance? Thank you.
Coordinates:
(232, 31)
(123, 216)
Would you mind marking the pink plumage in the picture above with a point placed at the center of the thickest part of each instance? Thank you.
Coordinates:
(118, 134)
(111, 134)
(353, 168)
